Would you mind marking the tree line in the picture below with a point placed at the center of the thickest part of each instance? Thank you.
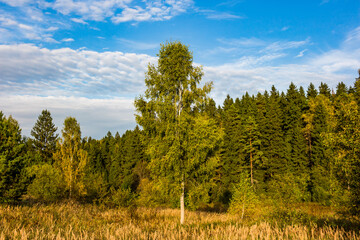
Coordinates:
(293, 146)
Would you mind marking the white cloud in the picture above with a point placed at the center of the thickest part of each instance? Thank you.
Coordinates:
(28, 25)
(260, 72)
(301, 54)
(215, 15)
(16, 3)
(222, 16)
(153, 11)
(89, 9)
(284, 45)
(28, 69)
(243, 42)
(96, 116)
(67, 40)
(63, 80)
(78, 20)
(285, 28)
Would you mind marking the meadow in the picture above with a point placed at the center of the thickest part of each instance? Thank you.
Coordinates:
(72, 220)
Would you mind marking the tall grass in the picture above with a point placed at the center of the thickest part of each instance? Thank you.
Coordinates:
(76, 221)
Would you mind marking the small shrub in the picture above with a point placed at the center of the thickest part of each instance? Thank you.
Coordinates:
(244, 200)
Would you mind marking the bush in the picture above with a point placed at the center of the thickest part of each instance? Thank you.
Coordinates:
(48, 184)
(244, 199)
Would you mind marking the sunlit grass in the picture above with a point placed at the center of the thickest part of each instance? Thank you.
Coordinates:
(84, 221)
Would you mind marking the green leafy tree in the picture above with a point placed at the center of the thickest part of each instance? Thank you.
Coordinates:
(45, 137)
(317, 119)
(167, 113)
(48, 185)
(243, 197)
(345, 140)
(71, 158)
(12, 160)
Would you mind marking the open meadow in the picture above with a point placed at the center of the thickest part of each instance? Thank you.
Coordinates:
(71, 220)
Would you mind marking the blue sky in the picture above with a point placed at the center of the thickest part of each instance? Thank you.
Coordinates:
(87, 58)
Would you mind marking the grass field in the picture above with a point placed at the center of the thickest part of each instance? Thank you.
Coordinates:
(71, 220)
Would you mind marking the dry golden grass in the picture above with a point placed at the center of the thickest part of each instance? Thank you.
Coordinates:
(76, 221)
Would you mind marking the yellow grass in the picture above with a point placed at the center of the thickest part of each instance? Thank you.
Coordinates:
(76, 221)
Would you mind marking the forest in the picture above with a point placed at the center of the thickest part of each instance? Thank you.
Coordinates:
(283, 151)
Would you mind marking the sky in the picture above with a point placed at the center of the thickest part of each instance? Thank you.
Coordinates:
(88, 58)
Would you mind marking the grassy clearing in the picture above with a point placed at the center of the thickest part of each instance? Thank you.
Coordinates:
(77, 221)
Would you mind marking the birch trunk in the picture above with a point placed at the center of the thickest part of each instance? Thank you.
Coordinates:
(182, 204)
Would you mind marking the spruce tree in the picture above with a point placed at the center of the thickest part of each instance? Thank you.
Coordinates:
(45, 137)
(341, 89)
(325, 90)
(12, 160)
(294, 139)
(311, 91)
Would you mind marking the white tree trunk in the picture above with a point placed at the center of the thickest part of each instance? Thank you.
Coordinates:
(182, 204)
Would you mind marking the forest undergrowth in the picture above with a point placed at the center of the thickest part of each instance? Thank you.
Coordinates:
(72, 220)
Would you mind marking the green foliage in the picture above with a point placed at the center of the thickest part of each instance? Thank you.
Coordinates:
(48, 184)
(45, 137)
(182, 142)
(71, 158)
(13, 181)
(158, 192)
(120, 198)
(345, 141)
(244, 199)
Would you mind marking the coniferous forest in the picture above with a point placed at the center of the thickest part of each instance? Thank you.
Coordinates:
(268, 157)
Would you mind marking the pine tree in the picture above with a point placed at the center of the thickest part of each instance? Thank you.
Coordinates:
(45, 137)
(251, 141)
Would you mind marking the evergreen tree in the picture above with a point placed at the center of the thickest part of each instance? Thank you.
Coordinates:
(311, 92)
(324, 90)
(45, 137)
(295, 141)
(273, 139)
(232, 159)
(12, 160)
(341, 89)
(356, 89)
(251, 141)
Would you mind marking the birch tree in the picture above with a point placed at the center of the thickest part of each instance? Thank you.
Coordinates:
(168, 111)
(71, 158)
